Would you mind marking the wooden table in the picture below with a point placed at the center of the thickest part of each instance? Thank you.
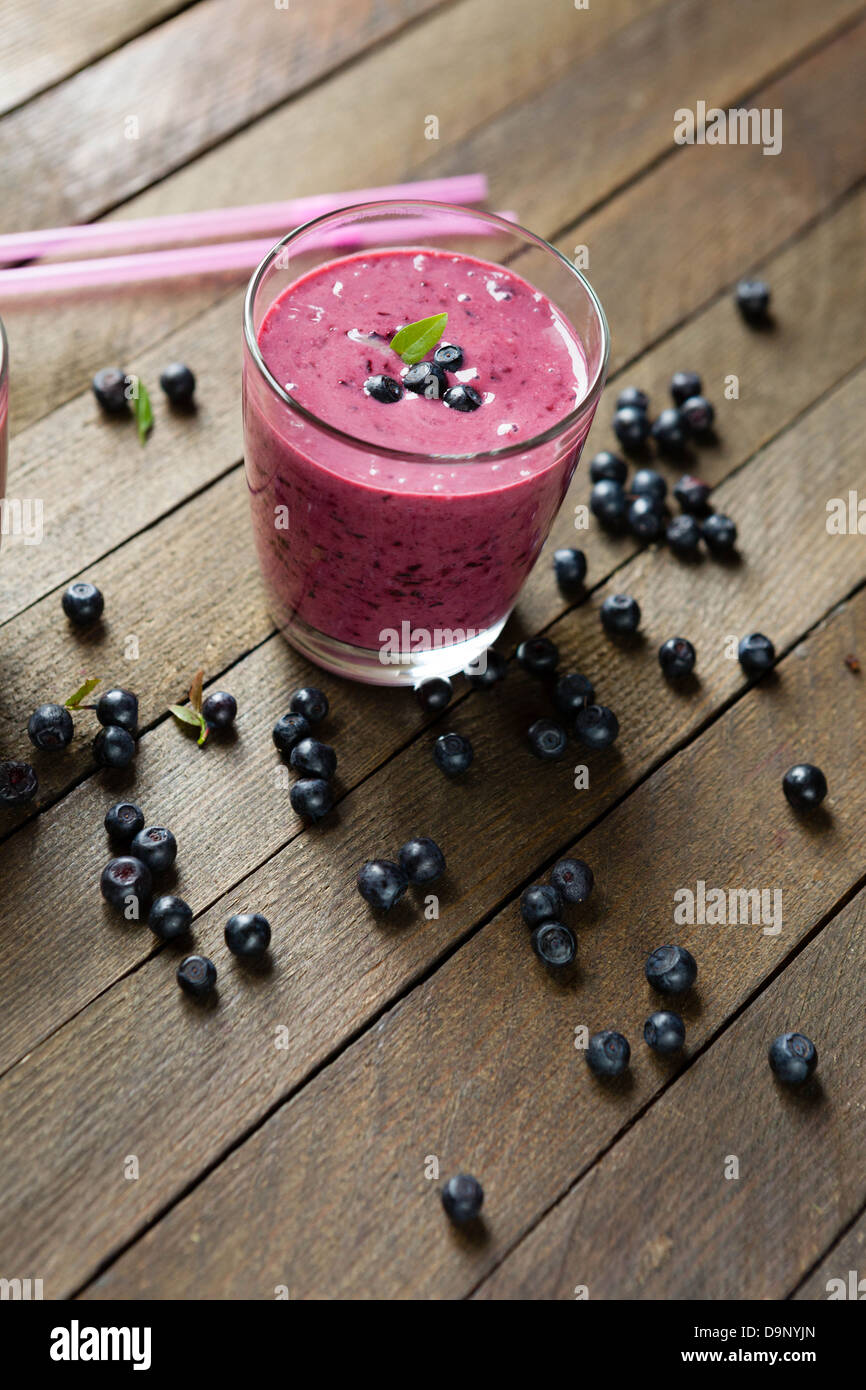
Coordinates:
(284, 1139)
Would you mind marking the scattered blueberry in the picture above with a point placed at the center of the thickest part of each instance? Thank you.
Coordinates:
(311, 797)
(114, 747)
(620, 614)
(573, 879)
(634, 398)
(570, 566)
(683, 534)
(449, 356)
(289, 730)
(382, 883)
(124, 821)
(608, 502)
(18, 783)
(109, 387)
(540, 903)
(684, 385)
(607, 1053)
(671, 969)
(50, 727)
(538, 656)
(156, 847)
(572, 692)
(426, 379)
(664, 1032)
(647, 482)
(196, 975)
(677, 657)
(793, 1058)
(805, 786)
(670, 431)
(596, 726)
(607, 466)
(720, 534)
(645, 519)
(124, 878)
(462, 397)
(421, 860)
(547, 739)
(756, 653)
(169, 917)
(118, 707)
(383, 388)
(433, 695)
(698, 414)
(486, 670)
(219, 709)
(453, 753)
(753, 300)
(462, 1198)
(692, 495)
(178, 383)
(554, 943)
(631, 427)
(248, 934)
(311, 703)
(83, 603)
(314, 758)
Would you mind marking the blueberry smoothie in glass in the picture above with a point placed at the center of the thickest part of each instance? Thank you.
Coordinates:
(399, 504)
(4, 407)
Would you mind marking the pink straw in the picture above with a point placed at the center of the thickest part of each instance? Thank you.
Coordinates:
(227, 222)
(51, 277)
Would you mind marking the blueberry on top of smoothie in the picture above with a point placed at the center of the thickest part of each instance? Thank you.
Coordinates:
(462, 397)
(383, 388)
(450, 356)
(426, 379)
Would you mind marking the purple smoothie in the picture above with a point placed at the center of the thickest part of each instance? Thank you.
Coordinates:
(354, 540)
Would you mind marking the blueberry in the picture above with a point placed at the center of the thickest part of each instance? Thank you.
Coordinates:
(620, 614)
(607, 501)
(756, 653)
(753, 300)
(692, 495)
(683, 535)
(289, 730)
(547, 739)
(83, 603)
(805, 786)
(449, 356)
(421, 860)
(114, 747)
(684, 385)
(540, 903)
(156, 847)
(671, 969)
(219, 709)
(248, 934)
(645, 519)
(572, 692)
(434, 694)
(698, 414)
(670, 431)
(487, 669)
(196, 975)
(18, 783)
(109, 387)
(169, 917)
(462, 1198)
(664, 1032)
(314, 758)
(633, 397)
(648, 483)
(123, 879)
(311, 703)
(426, 379)
(383, 388)
(382, 883)
(118, 707)
(124, 821)
(793, 1058)
(631, 427)
(50, 727)
(596, 726)
(462, 397)
(538, 656)
(607, 466)
(677, 657)
(453, 753)
(570, 567)
(311, 797)
(178, 383)
(607, 1053)
(720, 534)
(554, 944)
(573, 879)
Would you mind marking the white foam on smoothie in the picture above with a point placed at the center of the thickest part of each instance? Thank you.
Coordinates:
(467, 374)
(495, 292)
(338, 288)
(462, 298)
(506, 428)
(419, 261)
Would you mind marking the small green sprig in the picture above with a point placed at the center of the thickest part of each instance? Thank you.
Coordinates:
(414, 340)
(74, 701)
(191, 713)
(143, 410)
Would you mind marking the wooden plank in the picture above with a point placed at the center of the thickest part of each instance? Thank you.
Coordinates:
(478, 1065)
(685, 1227)
(844, 1258)
(336, 968)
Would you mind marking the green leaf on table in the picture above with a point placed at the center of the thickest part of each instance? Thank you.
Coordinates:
(143, 410)
(414, 340)
(82, 692)
(191, 716)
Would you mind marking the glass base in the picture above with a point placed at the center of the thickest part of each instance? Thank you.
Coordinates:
(399, 669)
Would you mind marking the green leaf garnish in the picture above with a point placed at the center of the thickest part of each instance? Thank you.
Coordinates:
(191, 716)
(82, 692)
(143, 411)
(414, 340)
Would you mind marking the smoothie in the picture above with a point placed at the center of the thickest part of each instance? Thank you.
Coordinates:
(387, 527)
(4, 412)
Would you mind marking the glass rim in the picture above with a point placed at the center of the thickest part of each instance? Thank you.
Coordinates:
(4, 355)
(587, 402)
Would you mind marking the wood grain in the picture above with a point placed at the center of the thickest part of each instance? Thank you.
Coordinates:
(843, 1257)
